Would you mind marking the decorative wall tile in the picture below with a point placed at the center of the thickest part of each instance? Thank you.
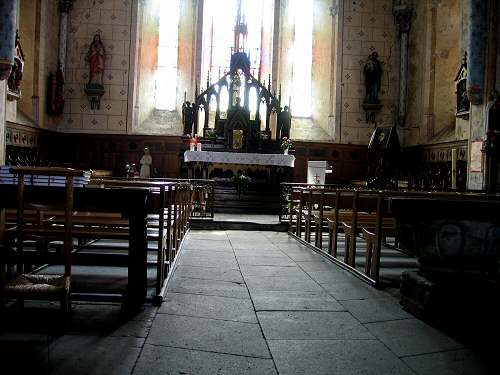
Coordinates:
(352, 47)
(368, 27)
(117, 123)
(105, 30)
(118, 91)
(121, 33)
(95, 122)
(113, 17)
(111, 107)
(112, 20)
(350, 135)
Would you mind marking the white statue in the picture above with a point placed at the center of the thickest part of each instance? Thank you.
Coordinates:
(146, 162)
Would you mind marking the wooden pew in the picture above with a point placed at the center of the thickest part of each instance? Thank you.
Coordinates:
(168, 223)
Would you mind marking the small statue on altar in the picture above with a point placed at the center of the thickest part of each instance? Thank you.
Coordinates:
(284, 123)
(96, 56)
(146, 162)
(373, 78)
(187, 118)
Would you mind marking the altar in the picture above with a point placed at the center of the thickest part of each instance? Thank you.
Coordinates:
(240, 158)
(268, 169)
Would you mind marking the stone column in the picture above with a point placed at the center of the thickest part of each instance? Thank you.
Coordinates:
(64, 8)
(403, 15)
(3, 90)
(8, 23)
(476, 73)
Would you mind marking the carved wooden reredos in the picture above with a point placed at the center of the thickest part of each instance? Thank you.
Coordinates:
(234, 92)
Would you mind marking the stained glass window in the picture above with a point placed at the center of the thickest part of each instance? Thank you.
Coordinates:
(302, 58)
(166, 72)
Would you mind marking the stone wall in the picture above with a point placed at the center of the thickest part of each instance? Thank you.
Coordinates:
(112, 20)
(367, 26)
(39, 39)
(435, 55)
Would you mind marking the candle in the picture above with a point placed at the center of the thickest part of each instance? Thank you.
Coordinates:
(198, 146)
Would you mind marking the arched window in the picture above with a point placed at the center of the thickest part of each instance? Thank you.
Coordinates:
(302, 58)
(219, 19)
(166, 72)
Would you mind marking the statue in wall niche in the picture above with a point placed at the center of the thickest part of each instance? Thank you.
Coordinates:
(16, 75)
(373, 78)
(146, 162)
(96, 56)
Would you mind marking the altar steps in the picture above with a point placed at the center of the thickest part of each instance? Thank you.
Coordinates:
(252, 201)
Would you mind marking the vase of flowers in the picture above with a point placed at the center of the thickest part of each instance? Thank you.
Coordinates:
(286, 144)
(241, 183)
(192, 144)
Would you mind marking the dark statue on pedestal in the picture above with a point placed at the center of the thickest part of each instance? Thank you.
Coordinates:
(373, 78)
(284, 123)
(187, 118)
(373, 82)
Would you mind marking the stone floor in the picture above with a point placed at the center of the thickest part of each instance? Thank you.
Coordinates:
(241, 303)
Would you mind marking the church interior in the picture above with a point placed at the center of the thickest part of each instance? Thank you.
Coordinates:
(249, 186)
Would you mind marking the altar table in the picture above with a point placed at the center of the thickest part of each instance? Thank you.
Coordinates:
(221, 157)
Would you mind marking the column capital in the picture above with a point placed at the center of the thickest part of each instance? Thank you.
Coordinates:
(65, 5)
(403, 15)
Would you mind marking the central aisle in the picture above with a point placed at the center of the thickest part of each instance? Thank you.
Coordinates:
(261, 303)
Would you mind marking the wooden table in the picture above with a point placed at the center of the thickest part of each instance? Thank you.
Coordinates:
(132, 203)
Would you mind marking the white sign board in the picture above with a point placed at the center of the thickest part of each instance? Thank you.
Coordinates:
(316, 172)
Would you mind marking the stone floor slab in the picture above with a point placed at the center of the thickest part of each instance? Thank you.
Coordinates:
(314, 325)
(24, 353)
(327, 357)
(208, 287)
(375, 309)
(160, 360)
(209, 335)
(94, 355)
(411, 337)
(250, 270)
(207, 245)
(210, 273)
(296, 301)
(298, 282)
(454, 362)
(333, 275)
(318, 265)
(352, 289)
(209, 307)
(265, 261)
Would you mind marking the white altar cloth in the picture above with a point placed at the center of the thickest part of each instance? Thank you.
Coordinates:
(240, 158)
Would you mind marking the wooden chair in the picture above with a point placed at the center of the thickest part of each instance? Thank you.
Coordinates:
(30, 285)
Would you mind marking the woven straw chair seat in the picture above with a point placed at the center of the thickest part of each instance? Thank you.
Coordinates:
(37, 285)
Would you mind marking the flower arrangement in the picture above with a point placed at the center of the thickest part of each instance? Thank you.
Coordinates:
(241, 182)
(286, 143)
(211, 134)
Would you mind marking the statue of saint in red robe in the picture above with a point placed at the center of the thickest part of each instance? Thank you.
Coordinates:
(95, 58)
